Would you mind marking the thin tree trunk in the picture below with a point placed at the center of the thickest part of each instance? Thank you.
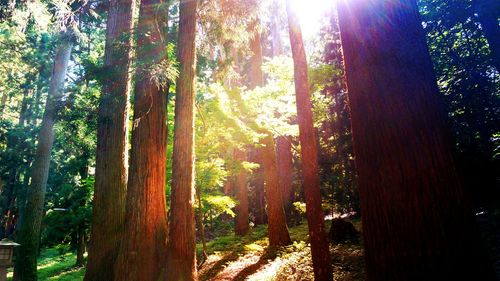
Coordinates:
(276, 43)
(25, 267)
(255, 75)
(241, 225)
(80, 248)
(181, 254)
(258, 184)
(277, 228)
(285, 172)
(110, 188)
(200, 224)
(416, 222)
(309, 153)
(143, 246)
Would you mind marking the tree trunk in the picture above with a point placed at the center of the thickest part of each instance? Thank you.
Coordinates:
(228, 186)
(143, 245)
(241, 225)
(285, 172)
(309, 153)
(277, 229)
(255, 75)
(201, 226)
(416, 222)
(80, 247)
(181, 255)
(110, 188)
(257, 182)
(29, 234)
(488, 13)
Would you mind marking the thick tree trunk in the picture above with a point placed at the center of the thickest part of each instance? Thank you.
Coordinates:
(285, 172)
(241, 225)
(416, 222)
(110, 189)
(29, 234)
(277, 229)
(488, 12)
(309, 153)
(181, 255)
(143, 246)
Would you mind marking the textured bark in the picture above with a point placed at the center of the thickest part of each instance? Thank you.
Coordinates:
(489, 13)
(181, 255)
(241, 225)
(142, 251)
(110, 189)
(416, 222)
(309, 153)
(255, 75)
(28, 236)
(277, 229)
(284, 158)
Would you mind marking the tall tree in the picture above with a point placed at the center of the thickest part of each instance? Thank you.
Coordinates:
(409, 187)
(181, 254)
(277, 228)
(241, 227)
(110, 187)
(144, 240)
(29, 234)
(309, 152)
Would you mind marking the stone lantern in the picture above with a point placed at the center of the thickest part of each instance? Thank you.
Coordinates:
(6, 253)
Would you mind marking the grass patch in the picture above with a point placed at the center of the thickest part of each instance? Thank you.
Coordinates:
(57, 264)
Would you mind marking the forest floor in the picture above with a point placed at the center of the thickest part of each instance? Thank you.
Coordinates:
(232, 257)
(248, 258)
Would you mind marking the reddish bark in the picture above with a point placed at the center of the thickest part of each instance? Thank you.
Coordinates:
(309, 153)
(241, 227)
(228, 186)
(110, 188)
(285, 171)
(181, 254)
(143, 246)
(416, 222)
(277, 229)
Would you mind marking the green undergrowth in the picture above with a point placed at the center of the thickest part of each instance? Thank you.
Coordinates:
(57, 264)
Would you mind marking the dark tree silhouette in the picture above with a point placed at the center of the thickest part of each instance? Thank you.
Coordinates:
(417, 224)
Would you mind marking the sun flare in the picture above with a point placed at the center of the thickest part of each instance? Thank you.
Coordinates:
(310, 13)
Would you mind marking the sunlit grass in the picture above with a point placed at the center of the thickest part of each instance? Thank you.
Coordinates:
(57, 264)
